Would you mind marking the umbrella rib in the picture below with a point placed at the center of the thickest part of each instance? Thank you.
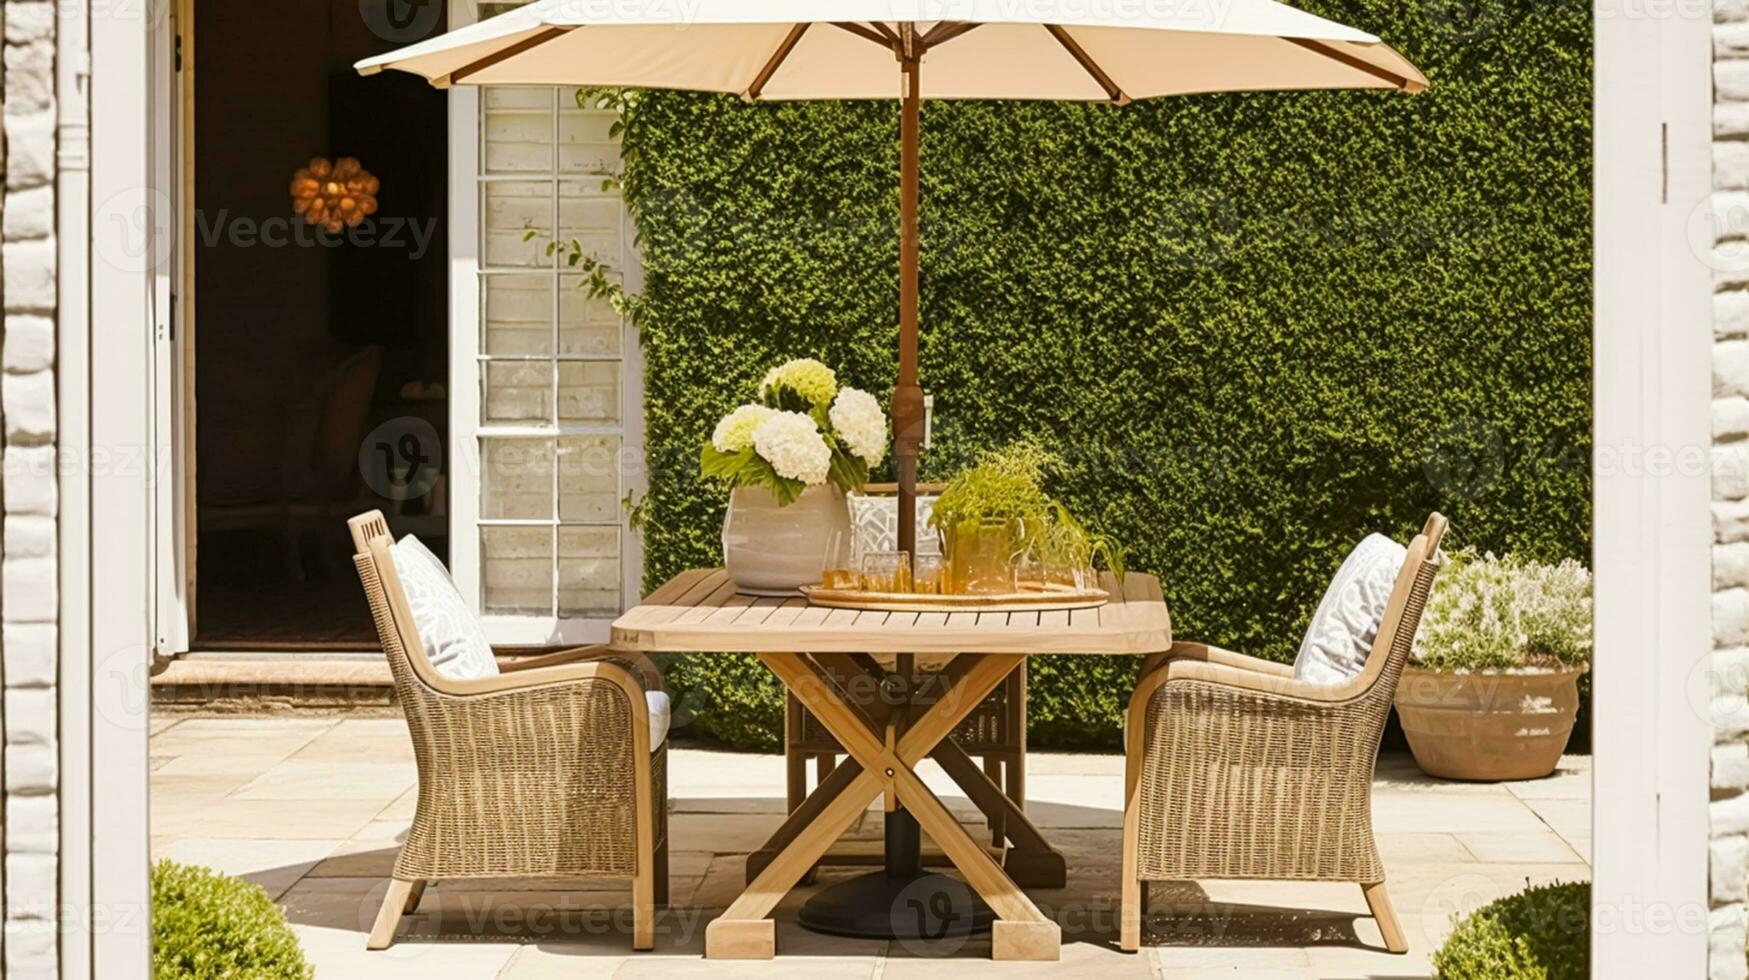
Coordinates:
(946, 31)
(1087, 63)
(1358, 64)
(892, 36)
(776, 59)
(504, 54)
(867, 33)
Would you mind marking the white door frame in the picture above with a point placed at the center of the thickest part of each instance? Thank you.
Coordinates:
(1652, 430)
(1652, 530)
(107, 514)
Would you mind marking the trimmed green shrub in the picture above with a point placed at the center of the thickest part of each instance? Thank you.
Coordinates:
(205, 924)
(1538, 934)
(1256, 327)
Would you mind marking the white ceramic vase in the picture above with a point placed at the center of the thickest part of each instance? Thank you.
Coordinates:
(772, 550)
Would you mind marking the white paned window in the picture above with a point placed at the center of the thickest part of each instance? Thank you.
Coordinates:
(546, 389)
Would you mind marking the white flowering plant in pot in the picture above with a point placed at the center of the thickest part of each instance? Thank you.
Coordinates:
(1493, 612)
(1491, 690)
(803, 430)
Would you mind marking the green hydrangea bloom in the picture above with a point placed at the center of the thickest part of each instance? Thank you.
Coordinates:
(806, 377)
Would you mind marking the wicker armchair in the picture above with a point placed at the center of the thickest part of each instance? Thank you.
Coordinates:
(545, 770)
(1235, 770)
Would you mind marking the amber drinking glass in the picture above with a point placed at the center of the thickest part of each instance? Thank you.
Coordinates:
(837, 570)
(887, 571)
(926, 575)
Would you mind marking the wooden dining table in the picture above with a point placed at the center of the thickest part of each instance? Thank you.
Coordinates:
(823, 655)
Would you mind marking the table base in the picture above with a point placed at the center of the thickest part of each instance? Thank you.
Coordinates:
(883, 757)
(907, 907)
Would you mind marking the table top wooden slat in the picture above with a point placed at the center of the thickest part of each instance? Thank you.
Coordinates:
(699, 610)
(787, 613)
(710, 606)
(731, 610)
(759, 611)
(655, 611)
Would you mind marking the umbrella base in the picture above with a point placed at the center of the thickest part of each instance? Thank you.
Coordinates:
(905, 907)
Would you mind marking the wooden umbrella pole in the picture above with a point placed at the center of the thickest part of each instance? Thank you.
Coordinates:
(904, 851)
(908, 413)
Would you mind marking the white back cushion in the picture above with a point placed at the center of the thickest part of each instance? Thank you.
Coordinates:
(874, 526)
(454, 640)
(1347, 621)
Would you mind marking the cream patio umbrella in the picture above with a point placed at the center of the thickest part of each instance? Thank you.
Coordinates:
(1074, 50)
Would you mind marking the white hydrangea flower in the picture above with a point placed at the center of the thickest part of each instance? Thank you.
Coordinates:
(861, 423)
(792, 444)
(735, 432)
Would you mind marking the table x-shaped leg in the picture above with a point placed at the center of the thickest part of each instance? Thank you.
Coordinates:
(1021, 932)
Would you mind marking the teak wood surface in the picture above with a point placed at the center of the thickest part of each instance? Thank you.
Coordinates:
(805, 646)
(700, 610)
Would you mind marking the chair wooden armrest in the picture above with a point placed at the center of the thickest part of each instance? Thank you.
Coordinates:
(1271, 685)
(530, 678)
(1204, 653)
(642, 667)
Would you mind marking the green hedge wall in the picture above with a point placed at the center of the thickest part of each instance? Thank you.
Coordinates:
(1257, 326)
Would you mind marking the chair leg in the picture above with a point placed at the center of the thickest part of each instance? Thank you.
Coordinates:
(1130, 905)
(413, 897)
(998, 821)
(1380, 903)
(644, 904)
(795, 766)
(389, 916)
(660, 895)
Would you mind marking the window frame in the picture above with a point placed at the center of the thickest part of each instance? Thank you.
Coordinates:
(468, 272)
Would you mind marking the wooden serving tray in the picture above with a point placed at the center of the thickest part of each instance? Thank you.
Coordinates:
(1032, 600)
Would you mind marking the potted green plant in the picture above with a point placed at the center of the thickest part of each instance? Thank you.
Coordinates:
(791, 456)
(1492, 687)
(995, 518)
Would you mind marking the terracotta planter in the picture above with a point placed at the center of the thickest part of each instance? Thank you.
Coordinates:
(772, 550)
(1488, 726)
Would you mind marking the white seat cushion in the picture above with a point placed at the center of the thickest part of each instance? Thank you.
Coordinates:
(453, 638)
(1347, 621)
(661, 712)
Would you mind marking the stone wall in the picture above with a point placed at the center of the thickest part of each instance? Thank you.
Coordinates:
(1728, 850)
(28, 600)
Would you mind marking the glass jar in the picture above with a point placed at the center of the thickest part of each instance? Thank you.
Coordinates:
(981, 558)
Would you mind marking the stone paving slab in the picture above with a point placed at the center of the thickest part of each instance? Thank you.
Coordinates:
(314, 809)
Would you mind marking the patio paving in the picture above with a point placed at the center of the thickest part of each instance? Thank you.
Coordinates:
(312, 809)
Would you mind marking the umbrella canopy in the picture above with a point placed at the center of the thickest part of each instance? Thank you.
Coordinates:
(911, 50)
(820, 49)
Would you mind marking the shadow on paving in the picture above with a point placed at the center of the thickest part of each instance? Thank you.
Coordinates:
(592, 918)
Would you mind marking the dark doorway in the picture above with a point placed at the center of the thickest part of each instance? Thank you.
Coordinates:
(320, 356)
